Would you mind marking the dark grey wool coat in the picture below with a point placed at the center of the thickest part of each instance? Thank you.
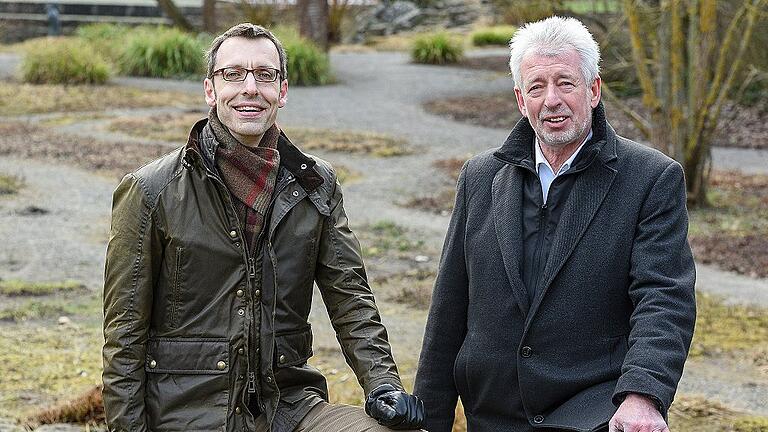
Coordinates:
(615, 310)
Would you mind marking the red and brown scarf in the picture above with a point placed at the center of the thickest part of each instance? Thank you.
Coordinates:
(249, 173)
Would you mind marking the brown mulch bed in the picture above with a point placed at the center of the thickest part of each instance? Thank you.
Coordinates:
(742, 127)
(25, 140)
(747, 255)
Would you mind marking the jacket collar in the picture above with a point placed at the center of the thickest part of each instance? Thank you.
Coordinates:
(201, 147)
(518, 147)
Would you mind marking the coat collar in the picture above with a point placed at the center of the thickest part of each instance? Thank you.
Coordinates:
(202, 147)
(587, 194)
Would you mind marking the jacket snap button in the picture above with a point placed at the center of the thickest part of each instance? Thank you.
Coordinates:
(233, 233)
(257, 294)
(241, 312)
(295, 193)
(526, 351)
(152, 364)
(282, 358)
(241, 351)
(303, 166)
(239, 293)
(221, 365)
(538, 419)
(237, 410)
(269, 379)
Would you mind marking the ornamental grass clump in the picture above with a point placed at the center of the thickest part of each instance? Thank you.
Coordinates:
(63, 61)
(307, 65)
(495, 35)
(162, 53)
(437, 48)
(107, 39)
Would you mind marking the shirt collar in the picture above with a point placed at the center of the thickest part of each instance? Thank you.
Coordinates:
(540, 159)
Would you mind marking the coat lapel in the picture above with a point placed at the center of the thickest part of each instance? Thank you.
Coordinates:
(588, 193)
(507, 195)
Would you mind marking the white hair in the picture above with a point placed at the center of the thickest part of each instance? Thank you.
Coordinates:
(552, 37)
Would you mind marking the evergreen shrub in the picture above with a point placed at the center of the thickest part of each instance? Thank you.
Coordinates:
(436, 48)
(162, 52)
(63, 61)
(495, 35)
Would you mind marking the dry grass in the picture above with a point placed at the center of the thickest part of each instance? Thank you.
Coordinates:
(25, 288)
(10, 185)
(412, 287)
(386, 238)
(86, 408)
(24, 140)
(18, 99)
(175, 128)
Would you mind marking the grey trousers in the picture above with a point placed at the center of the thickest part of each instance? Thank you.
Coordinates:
(325, 417)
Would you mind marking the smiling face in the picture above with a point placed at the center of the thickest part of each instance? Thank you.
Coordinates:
(556, 99)
(246, 108)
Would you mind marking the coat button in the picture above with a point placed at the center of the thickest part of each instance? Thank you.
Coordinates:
(303, 166)
(241, 351)
(221, 365)
(295, 193)
(237, 410)
(257, 294)
(241, 312)
(526, 351)
(152, 364)
(233, 234)
(538, 419)
(282, 358)
(269, 379)
(239, 293)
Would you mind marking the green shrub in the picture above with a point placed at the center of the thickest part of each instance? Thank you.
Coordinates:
(307, 64)
(162, 53)
(107, 39)
(496, 35)
(63, 61)
(436, 48)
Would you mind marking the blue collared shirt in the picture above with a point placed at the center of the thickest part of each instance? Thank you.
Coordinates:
(545, 171)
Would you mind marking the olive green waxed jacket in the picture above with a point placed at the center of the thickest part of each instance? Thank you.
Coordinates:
(181, 293)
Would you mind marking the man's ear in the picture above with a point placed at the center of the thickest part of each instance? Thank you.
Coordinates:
(283, 93)
(520, 102)
(210, 92)
(595, 89)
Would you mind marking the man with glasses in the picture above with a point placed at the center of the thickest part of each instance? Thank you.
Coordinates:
(210, 267)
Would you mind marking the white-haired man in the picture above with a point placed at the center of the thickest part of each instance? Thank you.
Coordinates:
(565, 295)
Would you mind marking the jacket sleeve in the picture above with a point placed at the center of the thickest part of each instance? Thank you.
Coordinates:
(132, 261)
(662, 278)
(446, 323)
(341, 277)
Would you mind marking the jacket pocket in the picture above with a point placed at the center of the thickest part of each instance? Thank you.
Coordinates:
(187, 383)
(293, 348)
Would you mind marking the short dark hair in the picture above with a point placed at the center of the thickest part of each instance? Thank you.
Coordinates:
(248, 31)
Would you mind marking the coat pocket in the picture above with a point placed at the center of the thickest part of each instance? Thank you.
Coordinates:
(187, 383)
(293, 348)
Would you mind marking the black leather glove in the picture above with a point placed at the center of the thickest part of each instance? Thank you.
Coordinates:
(394, 409)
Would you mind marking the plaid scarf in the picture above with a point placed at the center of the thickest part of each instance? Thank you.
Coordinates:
(249, 173)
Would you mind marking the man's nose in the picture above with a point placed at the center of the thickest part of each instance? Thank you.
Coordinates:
(552, 97)
(250, 86)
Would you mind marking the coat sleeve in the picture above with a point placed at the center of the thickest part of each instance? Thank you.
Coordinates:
(132, 260)
(341, 277)
(662, 278)
(446, 323)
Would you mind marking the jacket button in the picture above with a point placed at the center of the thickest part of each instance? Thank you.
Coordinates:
(237, 410)
(152, 364)
(257, 294)
(239, 293)
(295, 193)
(221, 365)
(526, 351)
(241, 312)
(303, 166)
(241, 351)
(538, 419)
(269, 379)
(281, 359)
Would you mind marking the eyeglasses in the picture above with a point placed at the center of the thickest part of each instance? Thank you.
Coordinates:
(238, 74)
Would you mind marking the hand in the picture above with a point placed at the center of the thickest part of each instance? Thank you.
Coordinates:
(637, 413)
(394, 408)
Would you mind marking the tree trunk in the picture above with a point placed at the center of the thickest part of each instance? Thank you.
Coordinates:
(172, 11)
(313, 21)
(209, 16)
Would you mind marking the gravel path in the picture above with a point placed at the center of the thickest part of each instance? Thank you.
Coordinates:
(377, 92)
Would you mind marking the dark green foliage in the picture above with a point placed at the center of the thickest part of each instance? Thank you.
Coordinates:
(436, 48)
(163, 53)
(307, 64)
(63, 61)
